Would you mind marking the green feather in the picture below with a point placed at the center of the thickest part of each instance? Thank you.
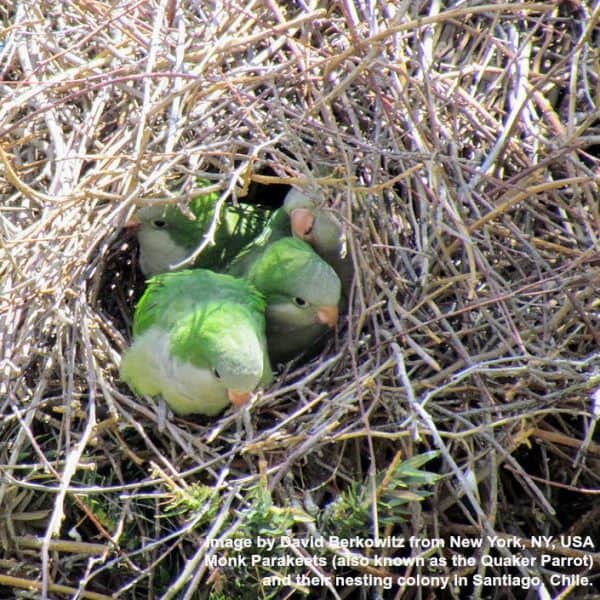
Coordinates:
(277, 227)
(169, 296)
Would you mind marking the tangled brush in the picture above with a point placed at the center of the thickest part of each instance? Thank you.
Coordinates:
(457, 145)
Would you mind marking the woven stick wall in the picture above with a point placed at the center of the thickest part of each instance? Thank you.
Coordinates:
(458, 146)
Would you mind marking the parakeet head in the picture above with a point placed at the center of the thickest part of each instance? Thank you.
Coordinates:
(167, 236)
(223, 339)
(300, 287)
(315, 226)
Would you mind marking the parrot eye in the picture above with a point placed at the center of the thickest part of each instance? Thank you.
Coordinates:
(299, 302)
(216, 374)
(159, 223)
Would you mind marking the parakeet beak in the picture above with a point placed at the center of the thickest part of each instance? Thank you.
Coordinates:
(238, 399)
(328, 315)
(302, 222)
(133, 224)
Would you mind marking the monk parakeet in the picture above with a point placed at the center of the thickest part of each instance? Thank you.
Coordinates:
(322, 231)
(302, 291)
(167, 236)
(199, 340)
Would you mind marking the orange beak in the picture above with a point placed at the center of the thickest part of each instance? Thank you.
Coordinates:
(302, 223)
(328, 315)
(133, 224)
(238, 399)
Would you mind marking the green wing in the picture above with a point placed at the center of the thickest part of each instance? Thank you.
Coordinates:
(276, 228)
(238, 225)
(171, 296)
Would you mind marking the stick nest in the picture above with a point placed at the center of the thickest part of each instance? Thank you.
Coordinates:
(458, 146)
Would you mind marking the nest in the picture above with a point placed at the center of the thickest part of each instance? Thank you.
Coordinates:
(459, 148)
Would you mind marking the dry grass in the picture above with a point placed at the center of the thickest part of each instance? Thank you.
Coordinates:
(460, 148)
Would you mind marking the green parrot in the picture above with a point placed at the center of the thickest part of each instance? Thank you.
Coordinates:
(322, 231)
(301, 290)
(167, 236)
(199, 340)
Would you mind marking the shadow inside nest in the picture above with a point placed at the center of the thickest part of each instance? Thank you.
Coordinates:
(122, 283)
